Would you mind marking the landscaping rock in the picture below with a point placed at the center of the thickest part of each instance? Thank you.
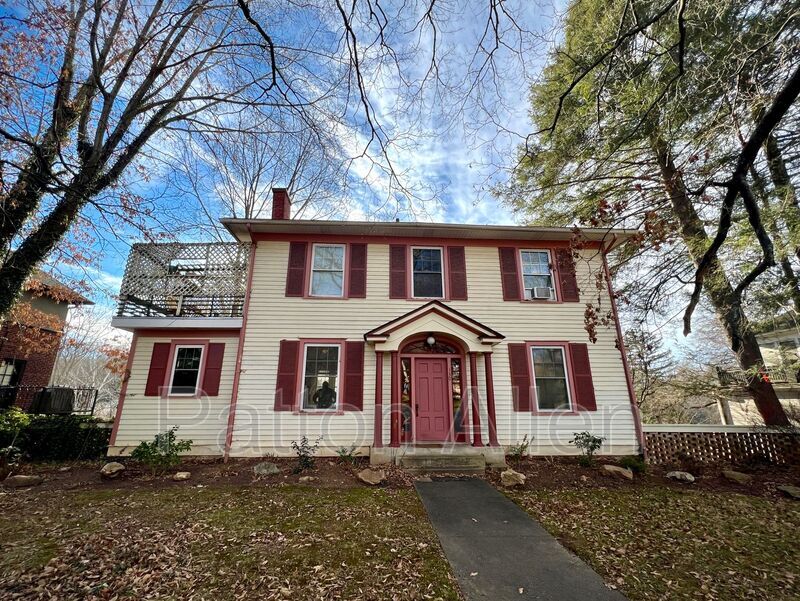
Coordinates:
(21, 481)
(306, 479)
(737, 477)
(266, 469)
(790, 491)
(510, 478)
(615, 471)
(681, 476)
(111, 470)
(181, 476)
(371, 476)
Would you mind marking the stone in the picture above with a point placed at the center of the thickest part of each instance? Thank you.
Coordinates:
(266, 469)
(737, 477)
(111, 470)
(21, 481)
(371, 476)
(790, 491)
(65, 468)
(306, 479)
(181, 476)
(615, 471)
(510, 478)
(681, 476)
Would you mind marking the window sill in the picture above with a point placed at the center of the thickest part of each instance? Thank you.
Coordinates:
(319, 412)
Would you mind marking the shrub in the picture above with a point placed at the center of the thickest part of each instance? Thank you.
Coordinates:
(163, 452)
(347, 455)
(587, 443)
(56, 437)
(634, 463)
(519, 450)
(305, 453)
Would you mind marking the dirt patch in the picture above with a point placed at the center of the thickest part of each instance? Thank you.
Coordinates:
(547, 473)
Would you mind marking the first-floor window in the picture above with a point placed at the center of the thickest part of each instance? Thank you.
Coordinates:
(9, 372)
(550, 377)
(186, 370)
(321, 376)
(537, 278)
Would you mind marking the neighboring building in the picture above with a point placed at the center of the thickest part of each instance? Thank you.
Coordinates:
(29, 339)
(388, 336)
(779, 341)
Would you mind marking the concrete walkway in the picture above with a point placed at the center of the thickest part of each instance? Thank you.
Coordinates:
(497, 550)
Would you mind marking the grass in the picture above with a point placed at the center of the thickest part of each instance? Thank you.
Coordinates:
(221, 543)
(659, 543)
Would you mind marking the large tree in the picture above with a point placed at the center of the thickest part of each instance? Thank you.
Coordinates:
(641, 123)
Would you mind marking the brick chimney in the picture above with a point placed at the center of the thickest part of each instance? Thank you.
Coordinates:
(281, 204)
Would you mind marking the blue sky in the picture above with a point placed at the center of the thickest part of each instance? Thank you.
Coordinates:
(455, 143)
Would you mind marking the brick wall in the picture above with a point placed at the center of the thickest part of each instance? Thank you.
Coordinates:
(38, 366)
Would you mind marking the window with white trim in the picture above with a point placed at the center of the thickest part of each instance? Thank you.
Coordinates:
(321, 376)
(9, 371)
(537, 276)
(550, 378)
(327, 270)
(186, 370)
(427, 273)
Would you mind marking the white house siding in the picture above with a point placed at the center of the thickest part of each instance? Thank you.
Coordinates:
(203, 420)
(273, 317)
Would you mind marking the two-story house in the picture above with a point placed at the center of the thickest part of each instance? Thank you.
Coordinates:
(389, 336)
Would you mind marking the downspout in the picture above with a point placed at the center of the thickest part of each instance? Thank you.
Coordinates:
(637, 419)
(240, 348)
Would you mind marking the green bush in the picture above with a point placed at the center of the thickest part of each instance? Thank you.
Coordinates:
(588, 444)
(305, 452)
(56, 437)
(163, 452)
(634, 463)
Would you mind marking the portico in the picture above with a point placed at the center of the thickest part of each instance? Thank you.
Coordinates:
(436, 401)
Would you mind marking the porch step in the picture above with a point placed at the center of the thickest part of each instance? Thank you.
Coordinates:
(451, 464)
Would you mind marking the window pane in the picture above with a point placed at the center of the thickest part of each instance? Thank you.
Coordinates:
(428, 285)
(535, 262)
(427, 260)
(329, 257)
(552, 394)
(548, 362)
(320, 383)
(326, 283)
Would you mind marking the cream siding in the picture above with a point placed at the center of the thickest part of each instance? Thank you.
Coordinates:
(272, 317)
(203, 420)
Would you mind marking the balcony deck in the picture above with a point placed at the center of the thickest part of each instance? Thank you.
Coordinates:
(186, 280)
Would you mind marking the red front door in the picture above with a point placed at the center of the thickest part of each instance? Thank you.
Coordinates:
(431, 399)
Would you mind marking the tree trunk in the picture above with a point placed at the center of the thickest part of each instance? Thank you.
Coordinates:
(727, 306)
(784, 189)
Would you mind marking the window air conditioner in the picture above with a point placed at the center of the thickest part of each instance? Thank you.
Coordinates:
(541, 292)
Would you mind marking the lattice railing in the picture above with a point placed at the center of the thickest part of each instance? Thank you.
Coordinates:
(724, 445)
(184, 280)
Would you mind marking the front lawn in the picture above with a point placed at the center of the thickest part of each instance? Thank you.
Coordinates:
(220, 542)
(654, 542)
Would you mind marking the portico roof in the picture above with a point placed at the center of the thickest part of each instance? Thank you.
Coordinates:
(434, 316)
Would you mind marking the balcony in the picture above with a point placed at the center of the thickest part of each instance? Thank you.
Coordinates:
(184, 280)
(49, 400)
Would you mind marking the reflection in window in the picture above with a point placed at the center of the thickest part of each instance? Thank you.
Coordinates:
(186, 372)
(536, 274)
(321, 376)
(427, 265)
(550, 376)
(327, 270)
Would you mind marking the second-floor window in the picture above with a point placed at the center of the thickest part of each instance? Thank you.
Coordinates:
(537, 277)
(327, 270)
(428, 275)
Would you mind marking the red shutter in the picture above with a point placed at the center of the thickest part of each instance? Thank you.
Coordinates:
(520, 376)
(457, 272)
(157, 374)
(566, 275)
(296, 272)
(213, 370)
(353, 390)
(286, 381)
(398, 256)
(582, 376)
(509, 273)
(357, 277)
